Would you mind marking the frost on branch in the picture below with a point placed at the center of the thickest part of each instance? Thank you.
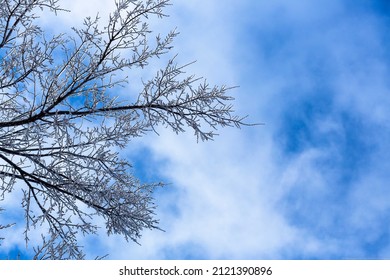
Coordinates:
(61, 122)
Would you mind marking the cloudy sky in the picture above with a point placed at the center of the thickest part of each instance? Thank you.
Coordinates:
(313, 181)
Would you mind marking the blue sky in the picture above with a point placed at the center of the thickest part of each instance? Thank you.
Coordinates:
(312, 182)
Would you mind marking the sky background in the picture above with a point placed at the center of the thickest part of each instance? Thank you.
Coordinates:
(313, 181)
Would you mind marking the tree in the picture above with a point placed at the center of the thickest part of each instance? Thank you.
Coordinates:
(61, 123)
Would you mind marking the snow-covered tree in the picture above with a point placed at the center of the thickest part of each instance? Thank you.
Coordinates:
(62, 122)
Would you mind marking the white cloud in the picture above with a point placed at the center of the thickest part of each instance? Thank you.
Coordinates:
(223, 199)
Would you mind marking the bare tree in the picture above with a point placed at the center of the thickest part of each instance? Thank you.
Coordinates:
(61, 121)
